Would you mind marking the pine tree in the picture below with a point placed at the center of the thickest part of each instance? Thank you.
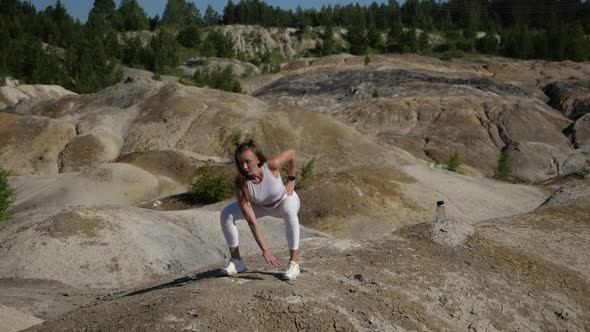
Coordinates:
(103, 16)
(454, 162)
(374, 39)
(165, 50)
(510, 46)
(218, 44)
(577, 45)
(102, 19)
(357, 38)
(328, 44)
(211, 17)
(229, 13)
(525, 43)
(179, 14)
(154, 22)
(190, 36)
(133, 16)
(408, 42)
(326, 16)
(192, 15)
(396, 29)
(557, 35)
(381, 18)
(540, 45)
(488, 44)
(132, 53)
(423, 44)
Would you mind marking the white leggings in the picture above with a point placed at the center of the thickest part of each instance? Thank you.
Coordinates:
(288, 208)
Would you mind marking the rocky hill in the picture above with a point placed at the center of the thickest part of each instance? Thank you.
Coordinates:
(100, 178)
(523, 272)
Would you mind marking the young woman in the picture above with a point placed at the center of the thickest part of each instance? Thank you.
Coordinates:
(260, 191)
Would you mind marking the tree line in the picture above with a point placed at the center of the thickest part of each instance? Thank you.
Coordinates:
(51, 47)
(546, 29)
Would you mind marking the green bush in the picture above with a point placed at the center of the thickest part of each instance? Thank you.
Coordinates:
(7, 195)
(306, 172)
(236, 139)
(190, 36)
(208, 188)
(503, 170)
(452, 54)
(487, 44)
(304, 175)
(218, 44)
(222, 79)
(454, 162)
(465, 45)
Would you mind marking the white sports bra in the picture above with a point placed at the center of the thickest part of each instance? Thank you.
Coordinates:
(270, 192)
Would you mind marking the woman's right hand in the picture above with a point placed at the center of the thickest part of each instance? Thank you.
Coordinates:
(270, 258)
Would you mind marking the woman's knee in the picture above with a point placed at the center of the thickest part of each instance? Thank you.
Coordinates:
(290, 207)
(228, 214)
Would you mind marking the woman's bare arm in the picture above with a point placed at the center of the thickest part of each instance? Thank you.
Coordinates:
(276, 162)
(248, 212)
(285, 157)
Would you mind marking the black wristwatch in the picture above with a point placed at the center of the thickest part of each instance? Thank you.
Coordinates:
(290, 178)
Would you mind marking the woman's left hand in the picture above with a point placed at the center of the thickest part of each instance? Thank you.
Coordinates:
(270, 258)
(290, 186)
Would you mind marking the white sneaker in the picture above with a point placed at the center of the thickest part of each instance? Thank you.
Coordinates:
(235, 266)
(292, 272)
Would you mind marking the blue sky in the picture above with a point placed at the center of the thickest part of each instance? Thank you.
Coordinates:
(80, 8)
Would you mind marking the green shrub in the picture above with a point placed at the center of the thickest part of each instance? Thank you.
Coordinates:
(503, 170)
(443, 48)
(454, 162)
(487, 44)
(235, 139)
(7, 196)
(190, 36)
(452, 54)
(208, 188)
(306, 172)
(248, 72)
(465, 45)
(304, 175)
(222, 79)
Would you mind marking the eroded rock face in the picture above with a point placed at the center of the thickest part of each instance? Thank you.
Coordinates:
(255, 40)
(239, 68)
(572, 98)
(31, 144)
(88, 151)
(170, 164)
(12, 95)
(331, 89)
(581, 131)
(432, 113)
